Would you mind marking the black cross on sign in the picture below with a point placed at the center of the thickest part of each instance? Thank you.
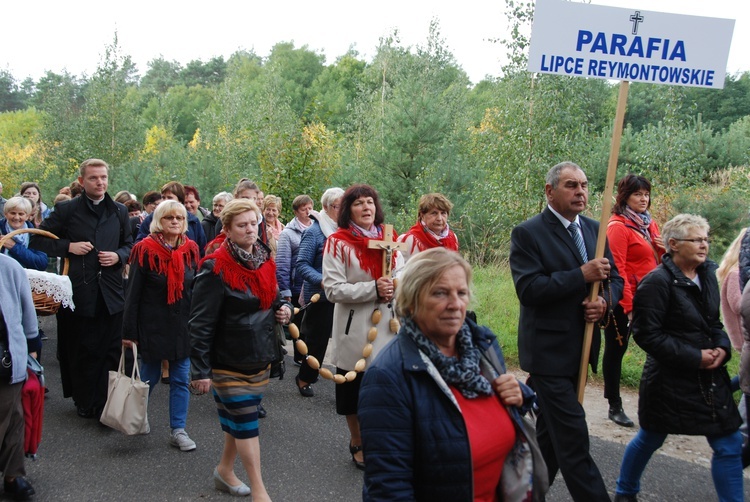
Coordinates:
(635, 19)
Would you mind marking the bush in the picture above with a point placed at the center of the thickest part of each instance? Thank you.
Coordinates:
(719, 205)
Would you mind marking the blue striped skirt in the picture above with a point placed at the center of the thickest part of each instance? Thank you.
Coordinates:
(237, 397)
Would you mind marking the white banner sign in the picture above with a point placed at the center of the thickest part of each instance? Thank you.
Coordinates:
(585, 40)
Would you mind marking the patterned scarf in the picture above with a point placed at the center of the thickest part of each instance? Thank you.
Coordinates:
(424, 238)
(641, 220)
(242, 270)
(462, 372)
(370, 260)
(168, 261)
(22, 239)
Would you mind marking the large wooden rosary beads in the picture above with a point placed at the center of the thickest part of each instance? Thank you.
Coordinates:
(359, 367)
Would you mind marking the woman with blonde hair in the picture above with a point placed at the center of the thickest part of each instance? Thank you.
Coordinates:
(271, 227)
(438, 411)
(236, 305)
(157, 304)
(728, 275)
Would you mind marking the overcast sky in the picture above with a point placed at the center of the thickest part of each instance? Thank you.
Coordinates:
(37, 36)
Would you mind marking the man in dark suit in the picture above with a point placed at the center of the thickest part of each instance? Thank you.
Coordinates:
(94, 234)
(553, 267)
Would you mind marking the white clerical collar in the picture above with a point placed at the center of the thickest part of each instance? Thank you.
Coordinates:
(95, 202)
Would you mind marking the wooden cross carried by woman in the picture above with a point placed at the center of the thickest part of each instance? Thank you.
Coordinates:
(388, 245)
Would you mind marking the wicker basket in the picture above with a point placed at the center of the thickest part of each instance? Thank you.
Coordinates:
(44, 305)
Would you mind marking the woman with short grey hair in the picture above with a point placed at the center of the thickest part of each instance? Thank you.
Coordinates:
(209, 221)
(685, 386)
(16, 213)
(318, 318)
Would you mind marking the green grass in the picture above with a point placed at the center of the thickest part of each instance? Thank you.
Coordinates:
(497, 306)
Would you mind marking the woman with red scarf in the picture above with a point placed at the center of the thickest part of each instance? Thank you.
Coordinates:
(232, 329)
(431, 229)
(353, 280)
(162, 267)
(636, 246)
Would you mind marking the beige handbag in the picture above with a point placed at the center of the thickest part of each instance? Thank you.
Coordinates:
(127, 400)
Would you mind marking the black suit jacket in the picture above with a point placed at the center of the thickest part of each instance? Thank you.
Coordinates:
(545, 264)
(76, 220)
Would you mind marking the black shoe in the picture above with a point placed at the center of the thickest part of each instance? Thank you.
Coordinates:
(306, 391)
(19, 488)
(278, 368)
(262, 411)
(85, 412)
(353, 450)
(618, 416)
(625, 498)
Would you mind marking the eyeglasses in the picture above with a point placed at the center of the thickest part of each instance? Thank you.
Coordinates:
(696, 240)
(335, 206)
(173, 217)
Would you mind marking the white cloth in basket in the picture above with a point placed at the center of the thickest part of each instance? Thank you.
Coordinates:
(56, 286)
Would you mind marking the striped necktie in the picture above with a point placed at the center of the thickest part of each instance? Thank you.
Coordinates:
(573, 229)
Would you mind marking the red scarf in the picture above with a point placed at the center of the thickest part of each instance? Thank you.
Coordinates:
(261, 282)
(370, 260)
(214, 244)
(425, 240)
(164, 261)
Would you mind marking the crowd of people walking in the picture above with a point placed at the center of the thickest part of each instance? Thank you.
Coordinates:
(209, 296)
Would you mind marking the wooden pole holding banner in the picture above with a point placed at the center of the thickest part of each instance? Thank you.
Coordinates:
(614, 152)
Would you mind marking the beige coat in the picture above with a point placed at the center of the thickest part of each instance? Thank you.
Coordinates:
(354, 294)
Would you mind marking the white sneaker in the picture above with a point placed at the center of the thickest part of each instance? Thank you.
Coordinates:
(180, 439)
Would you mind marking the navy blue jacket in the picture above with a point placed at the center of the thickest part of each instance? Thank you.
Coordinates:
(28, 258)
(310, 260)
(414, 436)
(287, 250)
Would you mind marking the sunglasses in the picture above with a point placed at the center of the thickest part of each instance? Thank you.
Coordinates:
(173, 218)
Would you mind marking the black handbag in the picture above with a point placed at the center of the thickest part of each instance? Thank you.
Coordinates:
(6, 363)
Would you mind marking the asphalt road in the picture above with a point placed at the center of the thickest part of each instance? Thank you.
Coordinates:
(303, 450)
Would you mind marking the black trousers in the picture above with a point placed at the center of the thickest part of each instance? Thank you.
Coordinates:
(615, 345)
(297, 320)
(316, 328)
(564, 438)
(11, 430)
(88, 348)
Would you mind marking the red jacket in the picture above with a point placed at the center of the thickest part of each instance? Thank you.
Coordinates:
(634, 255)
